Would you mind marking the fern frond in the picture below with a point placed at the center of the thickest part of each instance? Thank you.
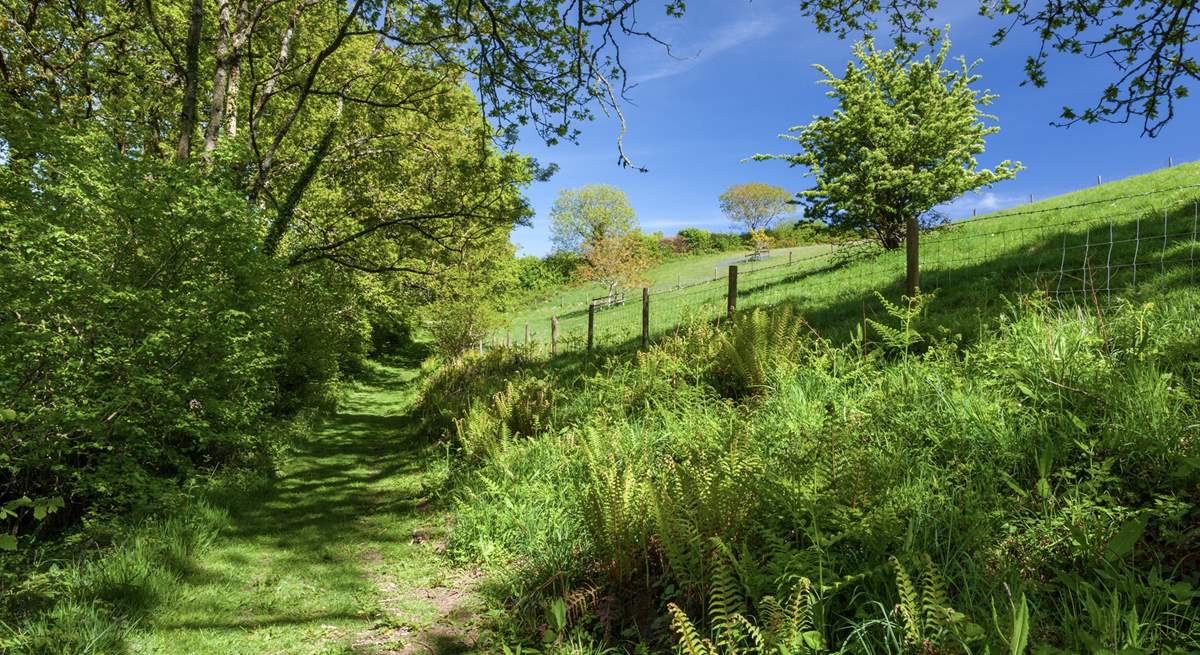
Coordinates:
(910, 603)
(690, 642)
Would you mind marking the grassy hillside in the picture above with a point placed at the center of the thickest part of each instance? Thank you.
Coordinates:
(667, 276)
(991, 471)
(1052, 244)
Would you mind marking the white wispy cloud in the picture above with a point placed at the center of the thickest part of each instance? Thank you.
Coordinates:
(981, 202)
(727, 37)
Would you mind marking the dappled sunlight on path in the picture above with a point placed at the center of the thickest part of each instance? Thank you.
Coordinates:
(334, 556)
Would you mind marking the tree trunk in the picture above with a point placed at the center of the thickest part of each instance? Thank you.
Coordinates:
(216, 110)
(231, 95)
(287, 211)
(187, 114)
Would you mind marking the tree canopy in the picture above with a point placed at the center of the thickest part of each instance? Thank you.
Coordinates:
(903, 139)
(1146, 41)
(754, 205)
(590, 214)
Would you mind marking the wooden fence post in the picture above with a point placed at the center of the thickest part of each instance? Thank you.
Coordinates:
(553, 335)
(526, 334)
(731, 301)
(645, 317)
(789, 258)
(591, 323)
(914, 254)
(507, 339)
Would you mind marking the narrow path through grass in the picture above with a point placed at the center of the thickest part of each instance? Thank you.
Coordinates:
(341, 554)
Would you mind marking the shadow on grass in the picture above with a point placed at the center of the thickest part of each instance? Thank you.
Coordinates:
(1077, 266)
(293, 554)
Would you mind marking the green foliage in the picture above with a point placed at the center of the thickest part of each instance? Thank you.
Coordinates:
(904, 336)
(703, 241)
(903, 140)
(788, 628)
(759, 347)
(590, 214)
(755, 206)
(929, 622)
(1147, 81)
(91, 606)
(1047, 467)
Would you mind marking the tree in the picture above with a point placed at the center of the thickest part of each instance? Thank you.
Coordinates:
(754, 206)
(1146, 41)
(590, 214)
(288, 96)
(903, 140)
(616, 261)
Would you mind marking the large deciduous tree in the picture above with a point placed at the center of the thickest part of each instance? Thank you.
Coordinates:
(903, 139)
(589, 214)
(1149, 43)
(754, 206)
(597, 222)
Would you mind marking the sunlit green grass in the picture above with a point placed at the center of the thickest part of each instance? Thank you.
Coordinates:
(666, 276)
(973, 266)
(321, 559)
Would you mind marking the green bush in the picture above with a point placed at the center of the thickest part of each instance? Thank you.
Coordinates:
(1037, 487)
(145, 338)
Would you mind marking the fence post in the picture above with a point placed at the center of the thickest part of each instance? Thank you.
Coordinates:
(507, 339)
(553, 335)
(732, 298)
(526, 334)
(789, 258)
(591, 323)
(645, 317)
(913, 249)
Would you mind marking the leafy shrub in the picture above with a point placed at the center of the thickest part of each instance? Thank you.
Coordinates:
(1048, 471)
(757, 348)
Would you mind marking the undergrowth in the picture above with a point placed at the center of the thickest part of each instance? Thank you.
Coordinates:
(758, 489)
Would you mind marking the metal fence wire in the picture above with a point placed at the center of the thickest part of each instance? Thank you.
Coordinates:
(1065, 253)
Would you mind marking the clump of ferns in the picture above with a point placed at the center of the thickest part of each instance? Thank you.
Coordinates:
(756, 349)
(785, 627)
(614, 509)
(522, 408)
(710, 495)
(930, 623)
(904, 337)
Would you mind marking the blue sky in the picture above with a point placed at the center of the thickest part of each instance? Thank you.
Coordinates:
(745, 76)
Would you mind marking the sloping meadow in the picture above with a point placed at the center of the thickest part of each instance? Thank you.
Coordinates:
(756, 488)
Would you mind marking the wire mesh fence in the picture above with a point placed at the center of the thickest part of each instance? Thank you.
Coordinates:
(1079, 251)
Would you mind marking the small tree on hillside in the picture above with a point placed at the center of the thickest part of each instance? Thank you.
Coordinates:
(754, 207)
(902, 141)
(589, 214)
(597, 222)
(616, 261)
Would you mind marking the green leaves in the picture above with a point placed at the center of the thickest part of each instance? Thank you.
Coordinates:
(903, 140)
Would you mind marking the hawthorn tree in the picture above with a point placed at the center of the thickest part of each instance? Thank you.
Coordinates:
(902, 140)
(1147, 43)
(754, 206)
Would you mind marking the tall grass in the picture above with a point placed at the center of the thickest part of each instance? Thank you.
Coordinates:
(1032, 487)
(90, 605)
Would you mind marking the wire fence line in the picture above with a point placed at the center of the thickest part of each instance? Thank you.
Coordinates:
(1068, 256)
